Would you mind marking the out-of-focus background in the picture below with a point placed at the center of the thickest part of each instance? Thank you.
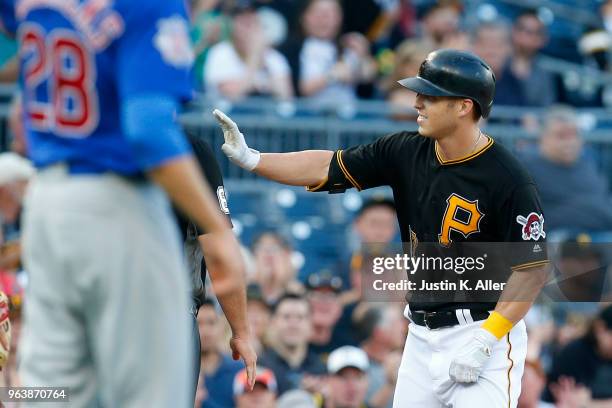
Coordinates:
(321, 74)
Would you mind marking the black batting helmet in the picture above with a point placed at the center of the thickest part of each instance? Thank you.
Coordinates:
(448, 72)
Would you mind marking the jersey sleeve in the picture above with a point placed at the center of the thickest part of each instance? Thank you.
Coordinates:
(362, 167)
(522, 225)
(212, 172)
(154, 54)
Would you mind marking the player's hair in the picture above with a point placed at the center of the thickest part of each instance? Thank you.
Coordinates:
(476, 112)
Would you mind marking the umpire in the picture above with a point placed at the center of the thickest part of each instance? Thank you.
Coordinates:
(229, 290)
(452, 183)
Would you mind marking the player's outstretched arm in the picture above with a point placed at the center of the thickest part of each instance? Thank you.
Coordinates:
(306, 168)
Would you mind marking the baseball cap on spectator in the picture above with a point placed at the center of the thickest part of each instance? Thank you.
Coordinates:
(323, 280)
(14, 168)
(263, 376)
(296, 399)
(579, 247)
(347, 356)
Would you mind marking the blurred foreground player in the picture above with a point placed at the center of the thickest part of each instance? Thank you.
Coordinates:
(107, 295)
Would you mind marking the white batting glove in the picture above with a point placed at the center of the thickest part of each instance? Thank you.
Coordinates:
(235, 148)
(468, 364)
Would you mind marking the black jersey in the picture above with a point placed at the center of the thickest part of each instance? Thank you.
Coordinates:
(190, 231)
(484, 197)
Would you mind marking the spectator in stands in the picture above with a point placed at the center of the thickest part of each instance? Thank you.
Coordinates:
(18, 144)
(384, 329)
(15, 171)
(208, 27)
(373, 18)
(574, 195)
(348, 381)
(9, 63)
(528, 38)
(264, 392)
(297, 399)
(323, 295)
(247, 65)
(408, 58)
(288, 354)
(533, 383)
(375, 226)
(584, 367)
(217, 368)
(9, 375)
(258, 314)
(491, 41)
(581, 272)
(327, 67)
(441, 25)
(274, 270)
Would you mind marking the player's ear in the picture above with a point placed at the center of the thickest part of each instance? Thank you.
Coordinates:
(465, 107)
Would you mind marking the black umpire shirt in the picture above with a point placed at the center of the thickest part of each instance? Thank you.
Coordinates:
(190, 232)
(484, 197)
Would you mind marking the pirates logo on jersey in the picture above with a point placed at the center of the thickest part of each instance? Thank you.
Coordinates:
(532, 226)
(462, 216)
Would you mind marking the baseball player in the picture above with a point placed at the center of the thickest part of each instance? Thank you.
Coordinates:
(451, 183)
(106, 313)
(229, 290)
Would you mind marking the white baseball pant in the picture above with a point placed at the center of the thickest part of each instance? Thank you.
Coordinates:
(107, 298)
(423, 380)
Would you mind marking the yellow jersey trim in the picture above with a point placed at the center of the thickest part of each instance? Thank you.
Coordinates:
(463, 159)
(346, 172)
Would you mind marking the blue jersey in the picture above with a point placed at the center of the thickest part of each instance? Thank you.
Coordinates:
(82, 61)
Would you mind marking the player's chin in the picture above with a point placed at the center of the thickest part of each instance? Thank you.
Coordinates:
(424, 131)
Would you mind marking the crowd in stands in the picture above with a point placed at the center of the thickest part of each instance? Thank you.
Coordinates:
(320, 344)
(333, 51)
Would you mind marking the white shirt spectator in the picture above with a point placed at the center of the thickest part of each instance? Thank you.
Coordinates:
(317, 58)
(223, 64)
